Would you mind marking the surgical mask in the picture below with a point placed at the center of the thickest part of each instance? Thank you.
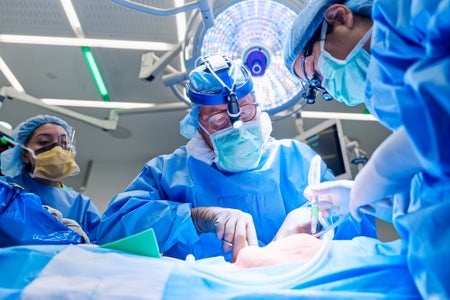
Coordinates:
(240, 149)
(54, 163)
(345, 79)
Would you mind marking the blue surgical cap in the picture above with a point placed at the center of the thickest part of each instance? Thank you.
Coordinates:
(11, 163)
(308, 21)
(189, 125)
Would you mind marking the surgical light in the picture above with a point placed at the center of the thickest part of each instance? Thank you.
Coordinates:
(251, 32)
(257, 60)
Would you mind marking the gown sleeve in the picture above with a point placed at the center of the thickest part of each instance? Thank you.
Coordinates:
(144, 204)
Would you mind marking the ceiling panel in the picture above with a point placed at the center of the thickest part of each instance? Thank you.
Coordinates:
(41, 17)
(106, 19)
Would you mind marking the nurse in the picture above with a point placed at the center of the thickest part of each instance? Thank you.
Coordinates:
(232, 185)
(394, 56)
(43, 156)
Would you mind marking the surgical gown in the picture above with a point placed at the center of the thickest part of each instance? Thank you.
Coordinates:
(409, 86)
(162, 196)
(72, 205)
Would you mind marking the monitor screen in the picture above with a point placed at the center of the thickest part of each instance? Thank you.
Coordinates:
(327, 140)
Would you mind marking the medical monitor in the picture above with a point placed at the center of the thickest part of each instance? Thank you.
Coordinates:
(327, 139)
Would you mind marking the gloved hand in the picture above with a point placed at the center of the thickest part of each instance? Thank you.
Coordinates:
(335, 200)
(297, 221)
(72, 224)
(232, 226)
(333, 197)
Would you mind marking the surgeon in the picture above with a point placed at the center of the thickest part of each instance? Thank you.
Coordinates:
(43, 156)
(232, 185)
(394, 56)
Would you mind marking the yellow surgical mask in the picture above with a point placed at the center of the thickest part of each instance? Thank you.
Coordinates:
(55, 164)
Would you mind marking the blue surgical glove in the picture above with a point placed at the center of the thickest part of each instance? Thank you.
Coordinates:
(232, 226)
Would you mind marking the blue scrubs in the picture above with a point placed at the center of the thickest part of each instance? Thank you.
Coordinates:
(162, 196)
(72, 205)
(409, 86)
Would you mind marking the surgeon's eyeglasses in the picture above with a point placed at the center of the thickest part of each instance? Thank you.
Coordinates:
(220, 120)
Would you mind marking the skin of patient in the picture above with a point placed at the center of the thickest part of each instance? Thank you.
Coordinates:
(295, 248)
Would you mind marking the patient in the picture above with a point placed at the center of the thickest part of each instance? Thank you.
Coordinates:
(294, 248)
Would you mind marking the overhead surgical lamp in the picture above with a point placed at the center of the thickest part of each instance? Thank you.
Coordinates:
(257, 59)
(251, 32)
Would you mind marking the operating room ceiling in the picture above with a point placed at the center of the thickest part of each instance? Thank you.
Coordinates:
(61, 72)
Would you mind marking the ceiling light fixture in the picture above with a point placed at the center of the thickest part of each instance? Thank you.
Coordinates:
(96, 104)
(10, 76)
(87, 53)
(73, 18)
(79, 42)
(95, 73)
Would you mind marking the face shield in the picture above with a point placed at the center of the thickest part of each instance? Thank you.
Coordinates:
(54, 161)
(11, 162)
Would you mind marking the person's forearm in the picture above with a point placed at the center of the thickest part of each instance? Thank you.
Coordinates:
(396, 158)
(388, 171)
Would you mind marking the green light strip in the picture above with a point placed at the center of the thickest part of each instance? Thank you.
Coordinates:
(95, 73)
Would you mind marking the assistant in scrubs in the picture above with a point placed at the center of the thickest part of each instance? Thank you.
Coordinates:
(33, 171)
(394, 56)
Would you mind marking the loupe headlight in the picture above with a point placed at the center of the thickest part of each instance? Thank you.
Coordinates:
(313, 85)
(234, 111)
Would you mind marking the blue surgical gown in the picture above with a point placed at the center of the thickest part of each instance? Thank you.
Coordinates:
(409, 86)
(72, 205)
(162, 196)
